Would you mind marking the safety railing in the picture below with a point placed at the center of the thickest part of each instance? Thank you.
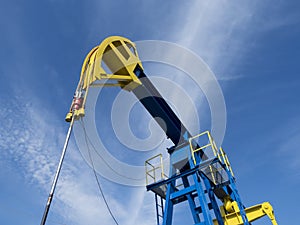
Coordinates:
(155, 169)
(205, 143)
(215, 172)
(224, 159)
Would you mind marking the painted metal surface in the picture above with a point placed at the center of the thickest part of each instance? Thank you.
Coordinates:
(199, 173)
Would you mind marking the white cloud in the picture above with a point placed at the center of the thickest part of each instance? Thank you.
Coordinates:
(34, 144)
(217, 31)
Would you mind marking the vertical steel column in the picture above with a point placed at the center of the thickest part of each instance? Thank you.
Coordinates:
(202, 200)
(191, 201)
(168, 213)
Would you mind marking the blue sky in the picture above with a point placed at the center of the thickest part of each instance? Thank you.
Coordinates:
(252, 47)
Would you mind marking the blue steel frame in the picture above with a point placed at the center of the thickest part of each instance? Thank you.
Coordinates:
(197, 185)
(202, 188)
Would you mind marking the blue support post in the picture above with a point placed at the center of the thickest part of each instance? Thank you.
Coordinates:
(235, 195)
(167, 220)
(202, 177)
(202, 200)
(192, 204)
(213, 200)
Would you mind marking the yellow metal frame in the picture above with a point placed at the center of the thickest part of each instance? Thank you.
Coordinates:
(210, 144)
(223, 157)
(117, 54)
(253, 213)
(220, 153)
(153, 168)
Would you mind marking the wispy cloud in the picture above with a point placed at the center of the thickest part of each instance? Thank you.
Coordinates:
(33, 143)
(287, 147)
(32, 137)
(218, 31)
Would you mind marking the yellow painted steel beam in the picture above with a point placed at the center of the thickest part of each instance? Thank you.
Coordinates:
(253, 213)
